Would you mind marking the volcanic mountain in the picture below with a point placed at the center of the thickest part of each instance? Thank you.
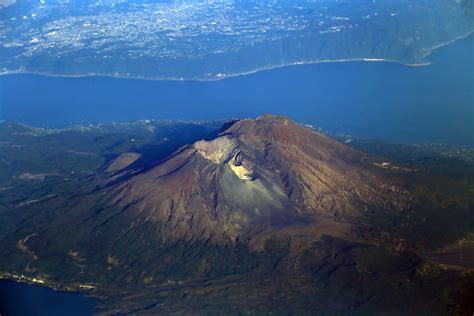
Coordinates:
(264, 209)
(264, 172)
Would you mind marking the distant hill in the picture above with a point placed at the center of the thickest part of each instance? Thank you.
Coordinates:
(152, 39)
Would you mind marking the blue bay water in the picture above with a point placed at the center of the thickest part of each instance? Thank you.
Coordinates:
(380, 100)
(19, 299)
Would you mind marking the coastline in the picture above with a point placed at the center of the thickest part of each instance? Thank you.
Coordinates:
(89, 291)
(220, 77)
(72, 288)
(430, 51)
(212, 79)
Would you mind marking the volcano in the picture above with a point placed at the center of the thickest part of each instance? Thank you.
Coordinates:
(264, 208)
(257, 173)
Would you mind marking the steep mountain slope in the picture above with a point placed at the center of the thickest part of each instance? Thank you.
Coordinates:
(268, 171)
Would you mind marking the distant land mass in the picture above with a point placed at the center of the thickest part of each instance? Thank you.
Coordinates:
(210, 40)
(247, 216)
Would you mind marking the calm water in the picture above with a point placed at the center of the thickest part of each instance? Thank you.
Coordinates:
(372, 100)
(19, 299)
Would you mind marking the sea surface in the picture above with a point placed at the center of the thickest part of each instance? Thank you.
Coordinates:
(377, 100)
(20, 299)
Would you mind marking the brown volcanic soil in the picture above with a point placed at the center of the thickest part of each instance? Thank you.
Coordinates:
(268, 172)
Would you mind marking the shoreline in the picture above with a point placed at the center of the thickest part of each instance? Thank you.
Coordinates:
(72, 288)
(429, 51)
(212, 79)
(89, 291)
(94, 292)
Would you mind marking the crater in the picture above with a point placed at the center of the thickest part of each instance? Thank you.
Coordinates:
(225, 150)
(218, 151)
